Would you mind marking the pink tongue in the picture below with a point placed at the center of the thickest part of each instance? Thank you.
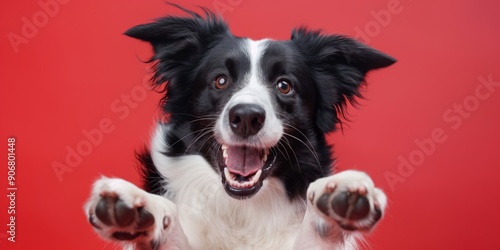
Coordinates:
(243, 160)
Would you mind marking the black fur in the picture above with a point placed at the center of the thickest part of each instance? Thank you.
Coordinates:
(326, 72)
(152, 179)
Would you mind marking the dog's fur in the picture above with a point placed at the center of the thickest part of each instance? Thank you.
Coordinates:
(242, 162)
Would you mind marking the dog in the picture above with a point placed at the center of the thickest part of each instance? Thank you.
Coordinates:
(242, 162)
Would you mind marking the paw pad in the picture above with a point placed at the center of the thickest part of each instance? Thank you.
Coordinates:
(114, 212)
(351, 206)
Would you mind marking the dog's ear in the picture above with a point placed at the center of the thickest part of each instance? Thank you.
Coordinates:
(178, 42)
(339, 66)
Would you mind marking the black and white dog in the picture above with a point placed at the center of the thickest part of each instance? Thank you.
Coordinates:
(242, 162)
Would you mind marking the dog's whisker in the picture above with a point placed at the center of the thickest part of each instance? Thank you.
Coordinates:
(211, 119)
(213, 148)
(202, 118)
(293, 152)
(285, 154)
(307, 138)
(203, 132)
(309, 148)
(198, 116)
(208, 138)
(187, 135)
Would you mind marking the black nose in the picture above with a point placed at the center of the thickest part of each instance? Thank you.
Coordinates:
(246, 119)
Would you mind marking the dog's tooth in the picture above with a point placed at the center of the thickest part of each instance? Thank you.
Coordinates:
(224, 153)
(223, 147)
(225, 161)
(264, 158)
(256, 177)
(228, 175)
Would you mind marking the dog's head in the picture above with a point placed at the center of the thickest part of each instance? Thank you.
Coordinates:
(255, 109)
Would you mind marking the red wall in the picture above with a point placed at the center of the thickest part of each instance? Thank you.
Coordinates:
(428, 132)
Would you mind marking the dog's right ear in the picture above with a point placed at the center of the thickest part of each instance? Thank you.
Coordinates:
(179, 41)
(339, 65)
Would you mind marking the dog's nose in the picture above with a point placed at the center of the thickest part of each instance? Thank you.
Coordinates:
(246, 119)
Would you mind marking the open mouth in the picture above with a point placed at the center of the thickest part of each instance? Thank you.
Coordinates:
(244, 169)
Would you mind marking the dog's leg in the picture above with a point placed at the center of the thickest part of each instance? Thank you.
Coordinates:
(339, 208)
(121, 212)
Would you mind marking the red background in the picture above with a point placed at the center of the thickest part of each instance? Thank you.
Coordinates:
(66, 78)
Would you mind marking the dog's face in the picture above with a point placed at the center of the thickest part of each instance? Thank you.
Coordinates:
(265, 99)
(255, 109)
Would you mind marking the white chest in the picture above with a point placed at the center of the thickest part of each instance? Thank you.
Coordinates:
(213, 220)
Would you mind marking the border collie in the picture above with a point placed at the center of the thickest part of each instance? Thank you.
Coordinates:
(243, 162)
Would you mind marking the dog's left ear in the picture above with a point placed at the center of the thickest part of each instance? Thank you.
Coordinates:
(339, 66)
(179, 42)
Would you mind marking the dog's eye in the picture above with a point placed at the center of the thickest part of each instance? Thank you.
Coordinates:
(284, 86)
(221, 82)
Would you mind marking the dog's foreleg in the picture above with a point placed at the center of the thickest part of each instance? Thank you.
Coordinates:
(122, 213)
(339, 209)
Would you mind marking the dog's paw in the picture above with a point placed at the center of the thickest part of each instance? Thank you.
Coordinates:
(349, 198)
(120, 211)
